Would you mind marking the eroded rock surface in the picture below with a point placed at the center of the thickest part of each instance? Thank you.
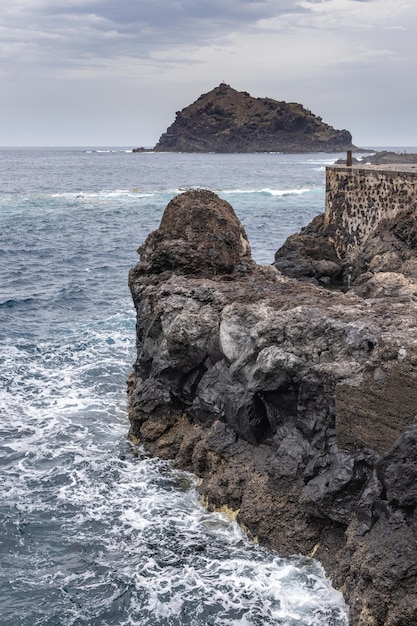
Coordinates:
(294, 404)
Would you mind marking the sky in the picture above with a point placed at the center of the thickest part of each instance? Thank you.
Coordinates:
(114, 72)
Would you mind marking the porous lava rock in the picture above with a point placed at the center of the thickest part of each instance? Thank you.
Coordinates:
(199, 234)
(295, 405)
(226, 120)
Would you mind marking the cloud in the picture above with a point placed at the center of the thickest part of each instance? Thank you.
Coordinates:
(98, 35)
(76, 66)
(51, 34)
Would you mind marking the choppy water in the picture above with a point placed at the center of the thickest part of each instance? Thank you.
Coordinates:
(94, 532)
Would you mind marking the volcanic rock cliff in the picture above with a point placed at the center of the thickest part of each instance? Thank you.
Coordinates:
(226, 120)
(295, 405)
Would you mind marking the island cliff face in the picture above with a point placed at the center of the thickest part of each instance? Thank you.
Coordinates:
(226, 120)
(262, 385)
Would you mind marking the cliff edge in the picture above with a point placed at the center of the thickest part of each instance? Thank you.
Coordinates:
(295, 405)
(226, 120)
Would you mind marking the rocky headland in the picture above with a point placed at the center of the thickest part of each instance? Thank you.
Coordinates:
(294, 403)
(226, 120)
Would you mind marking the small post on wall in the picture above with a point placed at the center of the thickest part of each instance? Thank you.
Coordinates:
(349, 158)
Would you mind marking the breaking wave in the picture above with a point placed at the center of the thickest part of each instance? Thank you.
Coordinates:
(94, 531)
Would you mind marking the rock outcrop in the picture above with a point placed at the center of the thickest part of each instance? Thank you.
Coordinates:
(295, 405)
(226, 120)
(384, 265)
(384, 157)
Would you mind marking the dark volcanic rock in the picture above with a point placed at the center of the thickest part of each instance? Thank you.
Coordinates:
(385, 265)
(263, 385)
(226, 120)
(310, 256)
(199, 234)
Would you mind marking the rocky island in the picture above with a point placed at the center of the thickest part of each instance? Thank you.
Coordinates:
(226, 120)
(295, 404)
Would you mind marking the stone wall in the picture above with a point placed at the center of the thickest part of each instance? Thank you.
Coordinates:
(359, 198)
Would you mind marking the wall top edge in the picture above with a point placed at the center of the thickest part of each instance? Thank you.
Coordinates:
(380, 169)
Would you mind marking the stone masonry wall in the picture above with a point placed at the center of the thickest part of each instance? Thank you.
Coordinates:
(358, 198)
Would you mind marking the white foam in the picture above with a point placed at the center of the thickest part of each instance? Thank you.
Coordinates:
(268, 192)
(286, 192)
(104, 194)
(138, 523)
(95, 528)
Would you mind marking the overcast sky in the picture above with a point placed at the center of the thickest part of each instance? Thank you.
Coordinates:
(114, 72)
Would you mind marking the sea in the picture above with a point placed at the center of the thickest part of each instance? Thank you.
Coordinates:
(94, 531)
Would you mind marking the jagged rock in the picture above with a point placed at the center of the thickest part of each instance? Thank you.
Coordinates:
(384, 265)
(310, 256)
(261, 385)
(226, 120)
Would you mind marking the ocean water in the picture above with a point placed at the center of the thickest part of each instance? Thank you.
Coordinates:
(94, 531)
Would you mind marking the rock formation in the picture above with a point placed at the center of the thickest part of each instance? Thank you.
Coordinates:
(383, 265)
(226, 120)
(294, 404)
(384, 157)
